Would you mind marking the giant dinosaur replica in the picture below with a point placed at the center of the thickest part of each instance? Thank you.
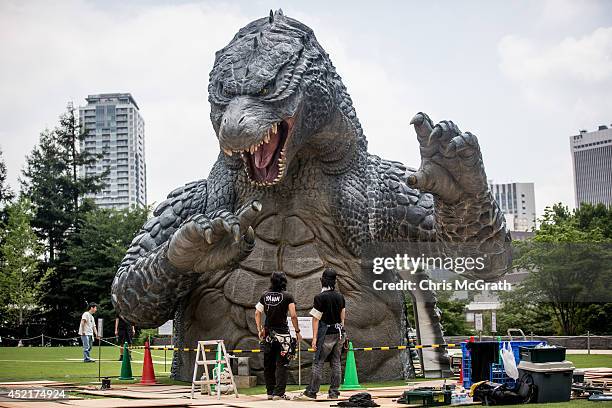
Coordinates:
(295, 189)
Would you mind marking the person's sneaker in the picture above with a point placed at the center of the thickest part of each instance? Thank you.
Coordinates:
(304, 397)
(120, 358)
(89, 361)
(333, 396)
(281, 397)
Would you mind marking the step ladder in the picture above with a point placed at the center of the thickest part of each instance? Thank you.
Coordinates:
(201, 360)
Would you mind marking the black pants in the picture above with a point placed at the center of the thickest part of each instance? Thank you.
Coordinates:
(276, 369)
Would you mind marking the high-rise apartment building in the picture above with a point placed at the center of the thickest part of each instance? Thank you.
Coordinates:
(114, 127)
(517, 202)
(592, 160)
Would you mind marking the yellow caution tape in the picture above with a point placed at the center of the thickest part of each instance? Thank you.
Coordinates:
(381, 348)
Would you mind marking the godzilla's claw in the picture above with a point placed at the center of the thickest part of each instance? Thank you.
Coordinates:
(423, 126)
(236, 232)
(247, 214)
(214, 240)
(250, 235)
(417, 119)
(451, 164)
(208, 235)
(413, 181)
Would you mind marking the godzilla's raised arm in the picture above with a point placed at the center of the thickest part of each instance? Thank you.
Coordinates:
(147, 285)
(466, 215)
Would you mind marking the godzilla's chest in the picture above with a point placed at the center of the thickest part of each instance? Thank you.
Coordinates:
(294, 242)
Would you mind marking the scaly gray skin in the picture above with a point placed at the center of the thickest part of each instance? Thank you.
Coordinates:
(207, 254)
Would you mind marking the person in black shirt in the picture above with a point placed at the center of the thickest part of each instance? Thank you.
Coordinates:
(328, 333)
(124, 332)
(274, 334)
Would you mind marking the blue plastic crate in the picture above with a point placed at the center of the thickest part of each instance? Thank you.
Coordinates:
(498, 375)
(466, 362)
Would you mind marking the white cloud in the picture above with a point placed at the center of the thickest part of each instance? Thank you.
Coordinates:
(573, 75)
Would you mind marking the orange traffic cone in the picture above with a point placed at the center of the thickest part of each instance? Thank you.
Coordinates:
(148, 375)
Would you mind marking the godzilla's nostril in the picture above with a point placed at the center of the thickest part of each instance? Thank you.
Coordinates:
(241, 120)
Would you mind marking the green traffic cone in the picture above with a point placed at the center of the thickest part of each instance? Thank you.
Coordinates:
(351, 382)
(126, 366)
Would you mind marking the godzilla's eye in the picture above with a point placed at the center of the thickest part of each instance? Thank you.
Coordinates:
(263, 92)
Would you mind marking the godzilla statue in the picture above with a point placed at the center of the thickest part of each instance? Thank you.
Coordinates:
(295, 189)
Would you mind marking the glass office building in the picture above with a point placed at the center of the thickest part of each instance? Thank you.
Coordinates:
(114, 127)
(592, 160)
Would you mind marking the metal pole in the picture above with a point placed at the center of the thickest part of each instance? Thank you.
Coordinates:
(99, 357)
(165, 348)
(299, 365)
(532, 336)
(42, 340)
(589, 342)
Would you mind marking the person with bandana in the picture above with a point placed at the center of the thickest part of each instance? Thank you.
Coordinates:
(275, 336)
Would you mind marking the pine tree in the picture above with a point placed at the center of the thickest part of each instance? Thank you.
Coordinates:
(56, 188)
(52, 182)
(6, 194)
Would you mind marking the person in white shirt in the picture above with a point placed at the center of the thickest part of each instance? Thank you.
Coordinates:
(87, 329)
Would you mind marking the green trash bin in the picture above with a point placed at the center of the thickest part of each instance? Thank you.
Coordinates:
(553, 380)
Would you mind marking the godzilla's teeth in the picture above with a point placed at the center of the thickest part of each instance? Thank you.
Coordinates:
(227, 151)
(274, 127)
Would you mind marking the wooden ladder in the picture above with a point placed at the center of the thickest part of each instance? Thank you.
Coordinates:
(201, 360)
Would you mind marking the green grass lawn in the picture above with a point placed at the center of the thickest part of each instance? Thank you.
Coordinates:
(65, 364)
(592, 360)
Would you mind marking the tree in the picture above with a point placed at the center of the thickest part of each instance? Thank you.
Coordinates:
(52, 182)
(453, 314)
(569, 260)
(6, 194)
(96, 250)
(19, 281)
(519, 311)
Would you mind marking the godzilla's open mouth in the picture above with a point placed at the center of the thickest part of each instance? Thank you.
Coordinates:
(265, 162)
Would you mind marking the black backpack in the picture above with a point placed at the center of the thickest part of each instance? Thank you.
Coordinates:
(521, 392)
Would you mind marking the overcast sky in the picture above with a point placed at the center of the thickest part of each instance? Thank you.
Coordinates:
(522, 75)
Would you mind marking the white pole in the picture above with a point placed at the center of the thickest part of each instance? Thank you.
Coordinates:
(299, 366)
